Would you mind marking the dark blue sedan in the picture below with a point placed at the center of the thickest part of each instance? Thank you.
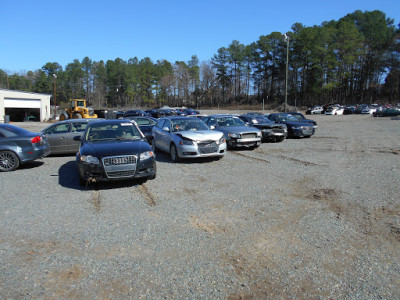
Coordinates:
(294, 126)
(114, 150)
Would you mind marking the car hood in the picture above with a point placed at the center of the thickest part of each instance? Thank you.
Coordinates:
(294, 123)
(113, 148)
(201, 135)
(239, 129)
(268, 125)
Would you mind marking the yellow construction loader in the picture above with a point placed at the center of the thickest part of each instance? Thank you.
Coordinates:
(77, 110)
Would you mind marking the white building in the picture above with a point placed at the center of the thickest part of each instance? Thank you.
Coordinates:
(24, 106)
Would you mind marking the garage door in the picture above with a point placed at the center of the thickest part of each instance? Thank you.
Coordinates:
(21, 103)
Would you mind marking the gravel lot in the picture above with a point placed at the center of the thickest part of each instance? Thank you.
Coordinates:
(315, 218)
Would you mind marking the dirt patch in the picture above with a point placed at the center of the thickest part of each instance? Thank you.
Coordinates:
(208, 226)
(95, 200)
(251, 157)
(149, 197)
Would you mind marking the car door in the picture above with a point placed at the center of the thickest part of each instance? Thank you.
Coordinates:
(157, 133)
(57, 136)
(165, 136)
(76, 129)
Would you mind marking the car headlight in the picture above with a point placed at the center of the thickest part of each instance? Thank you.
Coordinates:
(185, 142)
(296, 127)
(234, 135)
(221, 141)
(146, 155)
(259, 133)
(90, 159)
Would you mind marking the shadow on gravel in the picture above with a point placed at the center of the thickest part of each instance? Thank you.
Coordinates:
(163, 157)
(68, 177)
(30, 165)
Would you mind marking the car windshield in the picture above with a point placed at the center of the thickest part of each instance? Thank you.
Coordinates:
(229, 121)
(187, 124)
(142, 121)
(259, 119)
(113, 131)
(298, 117)
(286, 118)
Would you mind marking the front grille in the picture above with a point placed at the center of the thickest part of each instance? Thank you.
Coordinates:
(120, 166)
(119, 160)
(208, 147)
(249, 135)
(278, 130)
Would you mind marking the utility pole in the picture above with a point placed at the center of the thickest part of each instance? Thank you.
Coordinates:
(55, 96)
(287, 69)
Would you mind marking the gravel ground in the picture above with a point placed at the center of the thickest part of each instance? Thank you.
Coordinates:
(315, 218)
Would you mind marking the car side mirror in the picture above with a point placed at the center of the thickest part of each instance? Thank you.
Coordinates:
(165, 129)
(77, 138)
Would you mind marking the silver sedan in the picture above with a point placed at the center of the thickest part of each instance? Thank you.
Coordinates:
(185, 137)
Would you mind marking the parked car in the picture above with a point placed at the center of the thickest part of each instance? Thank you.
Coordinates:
(334, 111)
(19, 146)
(271, 132)
(134, 113)
(349, 110)
(235, 131)
(152, 113)
(145, 124)
(300, 117)
(294, 126)
(368, 110)
(184, 137)
(114, 150)
(315, 110)
(189, 112)
(61, 135)
(388, 112)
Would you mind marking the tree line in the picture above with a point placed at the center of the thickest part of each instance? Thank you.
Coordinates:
(353, 60)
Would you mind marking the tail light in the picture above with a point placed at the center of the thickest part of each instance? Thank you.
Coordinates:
(36, 139)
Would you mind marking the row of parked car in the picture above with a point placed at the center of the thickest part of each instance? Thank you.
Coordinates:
(125, 148)
(373, 109)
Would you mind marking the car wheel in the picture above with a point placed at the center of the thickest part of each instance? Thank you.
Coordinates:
(76, 116)
(8, 161)
(174, 153)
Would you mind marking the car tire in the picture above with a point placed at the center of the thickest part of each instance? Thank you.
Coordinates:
(64, 116)
(76, 116)
(174, 153)
(82, 181)
(9, 161)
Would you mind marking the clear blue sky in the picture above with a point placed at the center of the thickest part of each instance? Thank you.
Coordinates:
(36, 32)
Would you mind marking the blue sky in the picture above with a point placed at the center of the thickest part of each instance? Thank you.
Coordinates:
(36, 32)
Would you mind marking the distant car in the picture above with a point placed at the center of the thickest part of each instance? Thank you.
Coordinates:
(61, 135)
(184, 137)
(145, 124)
(19, 146)
(295, 127)
(271, 132)
(302, 118)
(368, 110)
(334, 111)
(315, 110)
(189, 112)
(349, 110)
(236, 133)
(134, 113)
(388, 112)
(164, 112)
(152, 113)
(114, 150)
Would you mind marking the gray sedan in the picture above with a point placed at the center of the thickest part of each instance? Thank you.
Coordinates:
(185, 137)
(61, 135)
(19, 146)
(236, 133)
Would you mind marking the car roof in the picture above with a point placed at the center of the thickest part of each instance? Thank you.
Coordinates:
(223, 115)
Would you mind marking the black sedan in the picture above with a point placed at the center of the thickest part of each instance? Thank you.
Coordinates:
(145, 124)
(134, 113)
(19, 146)
(300, 117)
(271, 132)
(114, 150)
(294, 126)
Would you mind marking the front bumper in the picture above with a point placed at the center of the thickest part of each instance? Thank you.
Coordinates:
(102, 172)
(273, 134)
(207, 149)
(246, 142)
(304, 131)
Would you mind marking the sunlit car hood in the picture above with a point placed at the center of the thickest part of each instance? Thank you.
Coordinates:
(201, 135)
(111, 148)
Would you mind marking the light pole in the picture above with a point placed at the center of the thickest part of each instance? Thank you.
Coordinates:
(55, 100)
(287, 68)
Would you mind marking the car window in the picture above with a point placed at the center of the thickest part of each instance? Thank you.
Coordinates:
(78, 127)
(113, 131)
(57, 129)
(144, 121)
(160, 123)
(229, 121)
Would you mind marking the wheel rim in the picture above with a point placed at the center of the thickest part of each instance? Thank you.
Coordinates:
(7, 161)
